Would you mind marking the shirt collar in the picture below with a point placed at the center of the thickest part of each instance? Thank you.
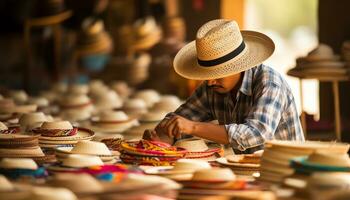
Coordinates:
(246, 87)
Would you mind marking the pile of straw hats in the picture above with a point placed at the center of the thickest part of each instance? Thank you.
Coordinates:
(33, 120)
(135, 107)
(149, 96)
(345, 52)
(198, 149)
(23, 146)
(76, 107)
(275, 161)
(320, 62)
(154, 153)
(61, 133)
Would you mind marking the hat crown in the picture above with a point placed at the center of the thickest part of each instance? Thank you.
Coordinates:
(113, 116)
(78, 160)
(217, 38)
(57, 125)
(193, 145)
(190, 164)
(91, 147)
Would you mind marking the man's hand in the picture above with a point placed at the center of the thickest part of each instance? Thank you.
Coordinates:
(150, 135)
(175, 126)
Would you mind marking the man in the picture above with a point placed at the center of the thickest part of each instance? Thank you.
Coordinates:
(251, 101)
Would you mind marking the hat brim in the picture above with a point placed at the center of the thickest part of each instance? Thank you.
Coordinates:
(259, 47)
(82, 134)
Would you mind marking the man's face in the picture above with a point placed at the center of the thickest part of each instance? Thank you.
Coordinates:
(226, 84)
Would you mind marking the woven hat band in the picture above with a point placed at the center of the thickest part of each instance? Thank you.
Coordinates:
(225, 58)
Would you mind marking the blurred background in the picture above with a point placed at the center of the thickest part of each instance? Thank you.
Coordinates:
(46, 42)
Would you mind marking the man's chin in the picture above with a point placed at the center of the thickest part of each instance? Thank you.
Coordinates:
(220, 90)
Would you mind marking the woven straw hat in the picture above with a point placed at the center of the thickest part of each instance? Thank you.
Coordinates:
(29, 119)
(149, 96)
(5, 184)
(19, 96)
(18, 163)
(41, 102)
(78, 89)
(79, 161)
(214, 175)
(108, 100)
(324, 158)
(3, 127)
(122, 88)
(197, 148)
(167, 103)
(221, 50)
(75, 101)
(135, 106)
(113, 121)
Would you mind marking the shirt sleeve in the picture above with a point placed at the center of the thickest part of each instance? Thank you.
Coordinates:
(196, 107)
(262, 120)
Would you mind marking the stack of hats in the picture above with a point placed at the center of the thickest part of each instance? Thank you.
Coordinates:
(21, 168)
(121, 88)
(154, 153)
(245, 164)
(198, 149)
(137, 70)
(42, 103)
(23, 146)
(275, 161)
(319, 63)
(111, 124)
(88, 148)
(182, 170)
(76, 89)
(8, 130)
(61, 133)
(146, 34)
(19, 96)
(9, 111)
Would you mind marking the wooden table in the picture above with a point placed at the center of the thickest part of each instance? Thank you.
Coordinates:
(334, 79)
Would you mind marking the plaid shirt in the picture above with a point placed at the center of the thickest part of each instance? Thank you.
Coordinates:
(263, 109)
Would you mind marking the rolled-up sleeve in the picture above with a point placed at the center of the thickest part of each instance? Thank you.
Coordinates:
(262, 120)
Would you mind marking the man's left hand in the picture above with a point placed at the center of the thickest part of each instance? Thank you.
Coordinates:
(176, 126)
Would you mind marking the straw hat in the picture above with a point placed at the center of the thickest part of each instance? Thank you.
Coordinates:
(121, 88)
(7, 106)
(139, 179)
(149, 96)
(79, 161)
(135, 106)
(113, 121)
(146, 33)
(3, 127)
(87, 148)
(322, 52)
(19, 96)
(18, 163)
(5, 184)
(197, 148)
(220, 50)
(62, 132)
(182, 170)
(329, 180)
(76, 101)
(78, 89)
(214, 175)
(41, 102)
(167, 103)
(324, 158)
(109, 100)
(29, 119)
(78, 183)
(48, 193)
(75, 116)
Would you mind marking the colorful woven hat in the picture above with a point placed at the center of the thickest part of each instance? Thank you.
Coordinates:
(197, 148)
(152, 148)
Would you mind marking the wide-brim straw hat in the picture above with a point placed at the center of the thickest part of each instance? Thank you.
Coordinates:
(149, 96)
(146, 33)
(244, 158)
(76, 161)
(214, 175)
(248, 166)
(18, 140)
(29, 119)
(87, 148)
(221, 50)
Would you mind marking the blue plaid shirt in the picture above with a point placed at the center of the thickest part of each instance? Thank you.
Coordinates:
(263, 109)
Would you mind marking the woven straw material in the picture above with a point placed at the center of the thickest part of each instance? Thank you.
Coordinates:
(33, 152)
(82, 134)
(78, 183)
(216, 39)
(18, 163)
(182, 166)
(323, 158)
(214, 175)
